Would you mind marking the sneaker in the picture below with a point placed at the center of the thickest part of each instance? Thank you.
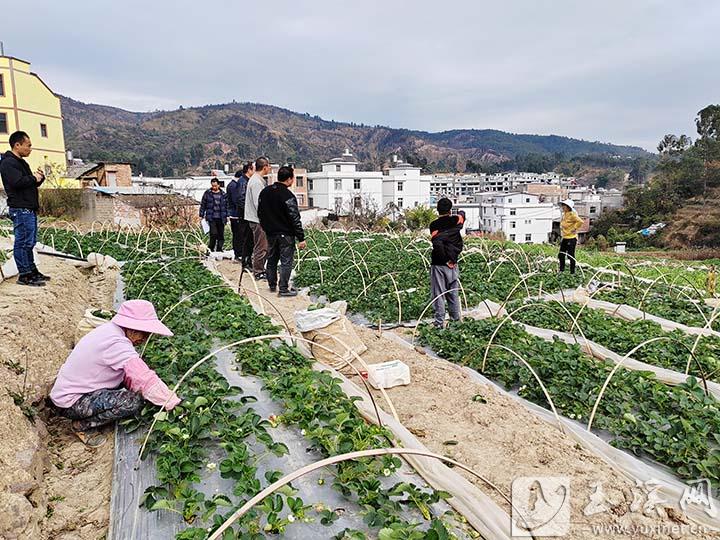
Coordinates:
(260, 276)
(30, 280)
(272, 289)
(41, 277)
(289, 292)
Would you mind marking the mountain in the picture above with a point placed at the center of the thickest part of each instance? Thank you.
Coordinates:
(199, 138)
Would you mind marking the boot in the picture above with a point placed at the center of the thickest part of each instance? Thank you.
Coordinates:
(30, 280)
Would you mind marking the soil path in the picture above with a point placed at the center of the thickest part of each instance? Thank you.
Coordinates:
(51, 485)
(491, 433)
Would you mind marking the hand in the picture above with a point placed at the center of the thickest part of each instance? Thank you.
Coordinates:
(302, 245)
(39, 176)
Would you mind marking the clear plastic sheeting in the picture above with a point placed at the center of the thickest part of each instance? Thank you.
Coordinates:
(485, 516)
(128, 521)
(667, 376)
(671, 488)
(626, 312)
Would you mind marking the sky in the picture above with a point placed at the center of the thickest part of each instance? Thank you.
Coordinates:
(625, 72)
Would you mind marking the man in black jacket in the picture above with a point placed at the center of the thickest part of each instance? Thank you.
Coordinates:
(242, 234)
(444, 274)
(280, 219)
(21, 186)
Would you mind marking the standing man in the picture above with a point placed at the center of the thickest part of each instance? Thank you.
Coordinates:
(232, 196)
(213, 208)
(21, 186)
(447, 245)
(570, 224)
(280, 219)
(260, 244)
(237, 189)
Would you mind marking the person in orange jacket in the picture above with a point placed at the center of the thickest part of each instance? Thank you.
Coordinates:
(570, 224)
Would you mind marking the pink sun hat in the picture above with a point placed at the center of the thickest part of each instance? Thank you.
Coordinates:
(140, 315)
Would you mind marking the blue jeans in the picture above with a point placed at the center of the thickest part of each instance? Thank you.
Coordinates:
(25, 230)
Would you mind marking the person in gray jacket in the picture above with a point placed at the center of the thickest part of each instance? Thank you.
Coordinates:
(252, 197)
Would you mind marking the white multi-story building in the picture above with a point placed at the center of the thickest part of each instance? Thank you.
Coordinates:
(404, 187)
(462, 187)
(339, 186)
(520, 216)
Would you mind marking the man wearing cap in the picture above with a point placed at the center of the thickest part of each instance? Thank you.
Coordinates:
(570, 224)
(447, 245)
(104, 379)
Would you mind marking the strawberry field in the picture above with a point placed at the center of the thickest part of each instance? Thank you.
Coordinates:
(384, 278)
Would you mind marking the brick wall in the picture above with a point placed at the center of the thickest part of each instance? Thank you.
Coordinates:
(124, 214)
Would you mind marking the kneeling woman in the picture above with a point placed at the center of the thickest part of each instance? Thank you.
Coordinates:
(104, 379)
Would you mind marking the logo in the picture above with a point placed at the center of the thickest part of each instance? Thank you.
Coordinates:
(540, 506)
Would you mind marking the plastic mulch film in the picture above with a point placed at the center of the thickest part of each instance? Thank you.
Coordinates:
(667, 376)
(623, 311)
(634, 469)
(481, 511)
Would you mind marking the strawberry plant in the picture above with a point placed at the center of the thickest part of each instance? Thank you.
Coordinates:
(677, 426)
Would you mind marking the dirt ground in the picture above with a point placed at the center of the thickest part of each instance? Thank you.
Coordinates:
(490, 432)
(51, 485)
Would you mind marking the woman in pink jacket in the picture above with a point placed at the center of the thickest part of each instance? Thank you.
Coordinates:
(104, 379)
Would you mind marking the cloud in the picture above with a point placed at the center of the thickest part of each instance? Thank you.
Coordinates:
(617, 71)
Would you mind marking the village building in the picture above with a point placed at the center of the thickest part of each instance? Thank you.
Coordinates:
(28, 104)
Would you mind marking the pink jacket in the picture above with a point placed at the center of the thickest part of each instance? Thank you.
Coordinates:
(106, 358)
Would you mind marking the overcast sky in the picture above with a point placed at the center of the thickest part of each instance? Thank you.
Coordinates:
(624, 71)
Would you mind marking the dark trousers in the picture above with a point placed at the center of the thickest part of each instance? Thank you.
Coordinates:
(103, 407)
(260, 248)
(242, 241)
(280, 248)
(25, 231)
(567, 247)
(217, 234)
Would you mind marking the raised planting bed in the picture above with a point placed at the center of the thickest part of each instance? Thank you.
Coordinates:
(217, 417)
(677, 426)
(622, 336)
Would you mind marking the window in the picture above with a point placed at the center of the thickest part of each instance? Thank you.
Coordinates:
(512, 237)
(400, 186)
(512, 224)
(593, 209)
(310, 185)
(512, 211)
(338, 184)
(356, 183)
(400, 202)
(528, 237)
(299, 181)
(510, 200)
(338, 203)
(300, 199)
(43, 130)
(3, 122)
(527, 199)
(494, 211)
(337, 168)
(310, 201)
(357, 202)
(2, 86)
(528, 222)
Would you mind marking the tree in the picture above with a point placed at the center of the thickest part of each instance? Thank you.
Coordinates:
(419, 217)
(672, 145)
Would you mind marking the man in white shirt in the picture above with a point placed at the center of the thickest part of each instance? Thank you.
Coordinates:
(255, 185)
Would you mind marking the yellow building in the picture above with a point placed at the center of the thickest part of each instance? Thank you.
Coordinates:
(27, 104)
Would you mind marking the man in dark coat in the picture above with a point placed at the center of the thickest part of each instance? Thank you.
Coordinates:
(447, 245)
(21, 186)
(213, 209)
(242, 233)
(280, 219)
